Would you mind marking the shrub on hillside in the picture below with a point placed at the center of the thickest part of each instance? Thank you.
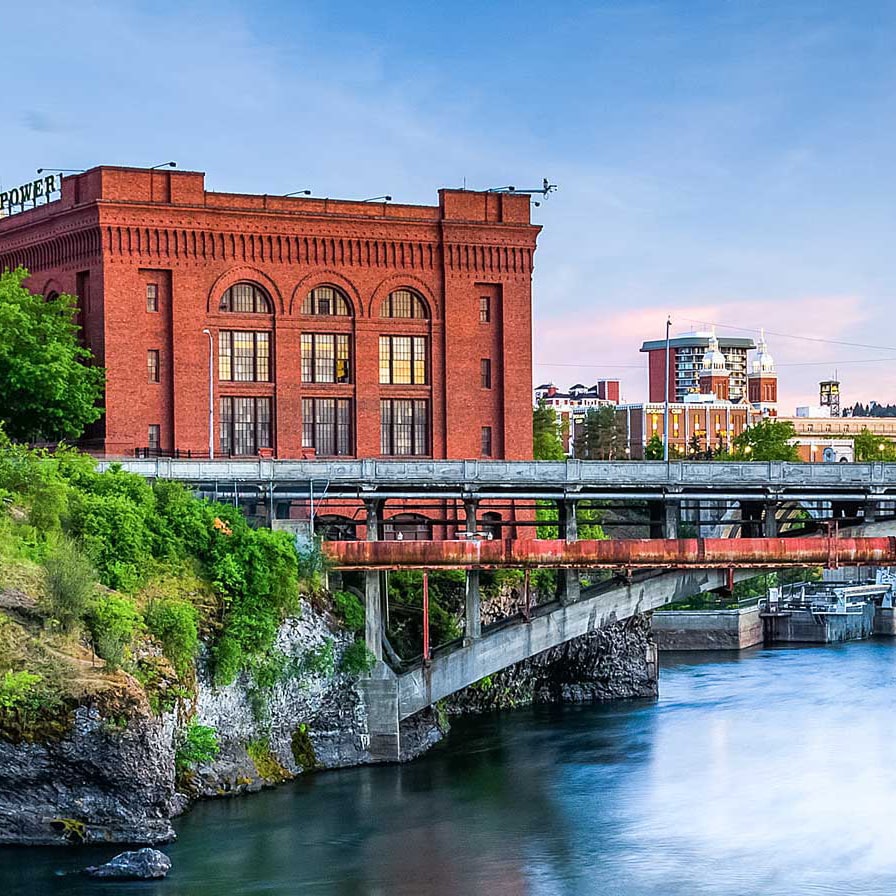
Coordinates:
(114, 622)
(70, 581)
(199, 744)
(349, 609)
(175, 623)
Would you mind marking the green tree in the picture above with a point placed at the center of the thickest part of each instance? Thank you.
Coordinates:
(49, 390)
(768, 440)
(869, 447)
(653, 450)
(603, 435)
(547, 443)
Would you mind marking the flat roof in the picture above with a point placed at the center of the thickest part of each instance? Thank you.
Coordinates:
(694, 341)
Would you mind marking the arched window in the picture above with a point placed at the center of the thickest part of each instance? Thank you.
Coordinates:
(246, 298)
(407, 527)
(332, 527)
(51, 296)
(326, 301)
(404, 303)
(490, 524)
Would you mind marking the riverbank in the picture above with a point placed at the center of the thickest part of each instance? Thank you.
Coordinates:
(701, 791)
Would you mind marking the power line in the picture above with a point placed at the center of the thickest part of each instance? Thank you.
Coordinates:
(881, 348)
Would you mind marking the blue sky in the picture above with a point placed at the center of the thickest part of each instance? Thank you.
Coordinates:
(727, 162)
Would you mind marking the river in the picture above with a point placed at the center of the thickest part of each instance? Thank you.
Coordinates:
(769, 773)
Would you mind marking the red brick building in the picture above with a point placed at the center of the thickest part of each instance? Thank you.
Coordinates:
(335, 327)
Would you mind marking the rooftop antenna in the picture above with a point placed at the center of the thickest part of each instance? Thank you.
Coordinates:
(378, 199)
(545, 189)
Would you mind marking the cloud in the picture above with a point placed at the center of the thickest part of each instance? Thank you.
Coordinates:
(576, 346)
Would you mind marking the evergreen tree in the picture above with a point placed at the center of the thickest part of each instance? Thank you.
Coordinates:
(546, 440)
(603, 435)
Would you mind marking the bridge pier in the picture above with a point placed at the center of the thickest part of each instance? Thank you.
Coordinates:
(373, 591)
(569, 584)
(770, 520)
(472, 595)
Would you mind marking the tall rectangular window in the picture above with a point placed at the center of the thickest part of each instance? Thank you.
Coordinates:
(152, 297)
(485, 373)
(154, 438)
(326, 358)
(244, 356)
(153, 365)
(404, 426)
(403, 360)
(486, 441)
(327, 426)
(245, 425)
(485, 309)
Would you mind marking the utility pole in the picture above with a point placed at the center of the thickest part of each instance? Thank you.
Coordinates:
(666, 397)
(211, 394)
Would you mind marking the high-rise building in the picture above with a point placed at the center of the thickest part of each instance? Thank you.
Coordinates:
(686, 363)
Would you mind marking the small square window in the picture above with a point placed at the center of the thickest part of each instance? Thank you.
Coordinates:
(152, 297)
(486, 441)
(485, 373)
(485, 309)
(153, 365)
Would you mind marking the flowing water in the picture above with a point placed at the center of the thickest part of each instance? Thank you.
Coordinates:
(772, 773)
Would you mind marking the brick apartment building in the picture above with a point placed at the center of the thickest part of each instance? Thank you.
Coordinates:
(686, 354)
(336, 328)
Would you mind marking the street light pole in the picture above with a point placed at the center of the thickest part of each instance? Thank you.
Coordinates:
(666, 397)
(211, 394)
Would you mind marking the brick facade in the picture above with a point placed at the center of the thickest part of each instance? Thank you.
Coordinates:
(116, 231)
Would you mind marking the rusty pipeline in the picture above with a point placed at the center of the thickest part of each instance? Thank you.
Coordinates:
(680, 553)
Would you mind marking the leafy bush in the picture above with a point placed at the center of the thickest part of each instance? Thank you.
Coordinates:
(199, 743)
(175, 623)
(357, 659)
(349, 609)
(71, 582)
(256, 572)
(114, 621)
(116, 537)
(18, 691)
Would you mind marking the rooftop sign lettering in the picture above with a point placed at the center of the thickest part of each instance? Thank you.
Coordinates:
(17, 197)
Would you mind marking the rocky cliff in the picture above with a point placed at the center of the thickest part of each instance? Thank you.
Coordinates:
(108, 771)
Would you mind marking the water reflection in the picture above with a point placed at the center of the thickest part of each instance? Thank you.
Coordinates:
(769, 773)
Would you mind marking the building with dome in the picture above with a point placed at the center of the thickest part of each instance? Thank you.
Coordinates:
(686, 353)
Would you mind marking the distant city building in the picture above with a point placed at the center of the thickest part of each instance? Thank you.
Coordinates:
(703, 422)
(686, 353)
(829, 396)
(762, 381)
(572, 406)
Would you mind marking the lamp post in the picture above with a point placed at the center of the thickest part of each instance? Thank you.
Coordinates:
(666, 397)
(211, 394)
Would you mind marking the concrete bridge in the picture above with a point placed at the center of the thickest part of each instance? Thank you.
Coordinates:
(653, 571)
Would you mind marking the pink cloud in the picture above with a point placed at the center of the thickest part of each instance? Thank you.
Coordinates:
(582, 347)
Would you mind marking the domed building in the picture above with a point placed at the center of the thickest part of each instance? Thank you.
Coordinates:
(762, 381)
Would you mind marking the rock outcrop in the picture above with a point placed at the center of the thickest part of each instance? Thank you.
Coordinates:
(140, 864)
(105, 780)
(613, 663)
